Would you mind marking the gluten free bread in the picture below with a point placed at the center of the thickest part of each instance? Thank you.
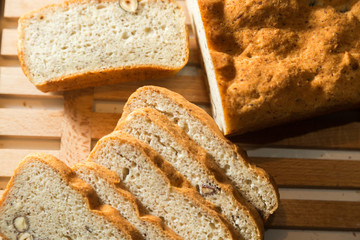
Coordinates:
(192, 161)
(252, 182)
(45, 200)
(161, 189)
(111, 191)
(270, 62)
(82, 43)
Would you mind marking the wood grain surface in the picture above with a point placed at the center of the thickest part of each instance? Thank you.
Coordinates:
(86, 115)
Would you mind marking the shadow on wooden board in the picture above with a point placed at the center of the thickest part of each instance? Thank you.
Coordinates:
(310, 132)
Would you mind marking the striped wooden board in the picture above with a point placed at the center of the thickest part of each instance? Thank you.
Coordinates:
(314, 162)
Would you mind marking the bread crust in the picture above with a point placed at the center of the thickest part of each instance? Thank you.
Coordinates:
(201, 156)
(87, 192)
(115, 182)
(174, 179)
(102, 76)
(201, 116)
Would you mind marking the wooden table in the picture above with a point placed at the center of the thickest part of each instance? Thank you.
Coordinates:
(316, 163)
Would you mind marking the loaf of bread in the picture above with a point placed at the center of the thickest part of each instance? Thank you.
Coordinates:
(45, 200)
(193, 162)
(252, 182)
(161, 189)
(270, 62)
(111, 191)
(82, 43)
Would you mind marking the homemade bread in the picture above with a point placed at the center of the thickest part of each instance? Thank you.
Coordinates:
(270, 62)
(45, 200)
(161, 189)
(192, 161)
(252, 182)
(82, 43)
(111, 191)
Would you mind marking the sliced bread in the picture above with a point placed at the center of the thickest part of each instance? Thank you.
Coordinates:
(161, 189)
(82, 43)
(111, 191)
(252, 182)
(192, 161)
(45, 200)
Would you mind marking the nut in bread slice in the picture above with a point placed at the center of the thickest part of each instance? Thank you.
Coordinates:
(45, 200)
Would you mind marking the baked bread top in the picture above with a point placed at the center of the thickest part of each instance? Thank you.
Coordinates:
(45, 199)
(277, 61)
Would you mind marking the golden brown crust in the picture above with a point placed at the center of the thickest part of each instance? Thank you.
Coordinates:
(115, 182)
(200, 155)
(290, 60)
(175, 180)
(102, 76)
(200, 115)
(87, 192)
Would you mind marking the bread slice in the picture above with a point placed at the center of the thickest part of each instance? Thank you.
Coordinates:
(162, 190)
(82, 43)
(272, 62)
(45, 200)
(111, 191)
(252, 182)
(192, 161)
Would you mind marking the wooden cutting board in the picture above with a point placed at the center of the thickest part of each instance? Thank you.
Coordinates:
(316, 162)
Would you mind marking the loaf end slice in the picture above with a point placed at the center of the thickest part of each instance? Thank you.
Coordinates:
(45, 200)
(82, 43)
(192, 161)
(111, 191)
(161, 189)
(252, 182)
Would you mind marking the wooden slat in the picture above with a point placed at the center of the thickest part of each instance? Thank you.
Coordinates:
(192, 88)
(14, 82)
(312, 172)
(33, 123)
(17, 8)
(10, 159)
(3, 182)
(339, 130)
(308, 214)
(8, 42)
(103, 124)
(76, 131)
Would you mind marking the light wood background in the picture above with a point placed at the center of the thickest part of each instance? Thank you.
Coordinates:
(315, 162)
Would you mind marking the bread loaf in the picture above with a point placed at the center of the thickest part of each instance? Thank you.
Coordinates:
(45, 200)
(252, 182)
(270, 62)
(82, 43)
(111, 191)
(192, 161)
(161, 189)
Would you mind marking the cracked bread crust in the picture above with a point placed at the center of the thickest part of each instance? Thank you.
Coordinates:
(174, 180)
(280, 61)
(192, 161)
(115, 183)
(105, 72)
(87, 193)
(202, 128)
